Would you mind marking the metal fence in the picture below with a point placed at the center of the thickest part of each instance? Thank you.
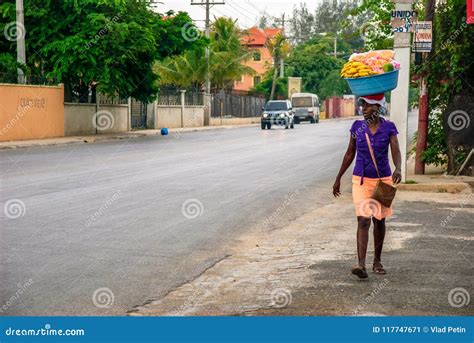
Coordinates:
(112, 100)
(194, 98)
(88, 97)
(236, 104)
(138, 115)
(28, 79)
(171, 96)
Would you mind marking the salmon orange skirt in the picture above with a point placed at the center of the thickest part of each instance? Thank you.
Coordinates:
(365, 206)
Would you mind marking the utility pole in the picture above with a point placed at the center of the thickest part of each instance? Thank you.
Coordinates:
(154, 3)
(20, 39)
(282, 64)
(399, 99)
(335, 41)
(207, 96)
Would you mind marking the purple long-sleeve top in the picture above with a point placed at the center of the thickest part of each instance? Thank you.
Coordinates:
(380, 142)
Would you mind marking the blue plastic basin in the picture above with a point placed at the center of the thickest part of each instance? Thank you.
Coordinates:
(374, 84)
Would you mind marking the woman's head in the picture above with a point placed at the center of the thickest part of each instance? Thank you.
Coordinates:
(371, 105)
(369, 110)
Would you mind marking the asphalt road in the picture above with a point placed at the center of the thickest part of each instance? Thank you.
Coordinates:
(104, 227)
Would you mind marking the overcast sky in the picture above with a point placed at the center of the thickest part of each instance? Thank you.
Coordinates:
(246, 11)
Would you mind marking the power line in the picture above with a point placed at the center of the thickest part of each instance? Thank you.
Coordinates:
(207, 101)
(233, 5)
(222, 14)
(254, 6)
(259, 10)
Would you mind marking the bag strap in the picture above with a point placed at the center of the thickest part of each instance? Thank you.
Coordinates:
(372, 154)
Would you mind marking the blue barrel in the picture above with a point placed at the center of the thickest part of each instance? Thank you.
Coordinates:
(164, 131)
(374, 84)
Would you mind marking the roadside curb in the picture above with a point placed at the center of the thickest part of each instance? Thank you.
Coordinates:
(108, 137)
(435, 187)
(341, 118)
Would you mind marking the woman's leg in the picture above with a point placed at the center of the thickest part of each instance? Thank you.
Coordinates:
(379, 236)
(363, 225)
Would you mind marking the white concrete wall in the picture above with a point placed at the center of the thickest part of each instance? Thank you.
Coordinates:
(79, 119)
(170, 117)
(151, 116)
(121, 117)
(234, 121)
(193, 116)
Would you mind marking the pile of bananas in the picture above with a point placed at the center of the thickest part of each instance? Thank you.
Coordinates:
(356, 69)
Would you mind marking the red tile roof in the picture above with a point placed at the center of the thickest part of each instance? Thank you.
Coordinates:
(255, 36)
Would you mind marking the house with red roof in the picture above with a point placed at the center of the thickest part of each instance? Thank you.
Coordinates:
(255, 39)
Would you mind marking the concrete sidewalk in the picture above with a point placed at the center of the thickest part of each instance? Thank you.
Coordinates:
(108, 137)
(437, 183)
(304, 268)
(434, 180)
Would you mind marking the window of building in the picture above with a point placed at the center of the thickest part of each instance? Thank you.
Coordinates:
(257, 80)
(257, 56)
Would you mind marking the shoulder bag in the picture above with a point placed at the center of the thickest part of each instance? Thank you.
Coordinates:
(383, 192)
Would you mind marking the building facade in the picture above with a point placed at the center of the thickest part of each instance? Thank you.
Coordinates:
(255, 40)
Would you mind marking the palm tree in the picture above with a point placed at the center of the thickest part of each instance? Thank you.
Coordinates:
(186, 70)
(226, 60)
(279, 49)
(227, 54)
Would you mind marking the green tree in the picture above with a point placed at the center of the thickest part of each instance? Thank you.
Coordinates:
(302, 24)
(313, 64)
(326, 42)
(330, 18)
(449, 73)
(113, 43)
(265, 86)
(333, 84)
(227, 55)
(376, 28)
(187, 70)
(279, 49)
(266, 21)
(226, 60)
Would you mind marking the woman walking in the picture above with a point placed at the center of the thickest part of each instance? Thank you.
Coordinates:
(380, 134)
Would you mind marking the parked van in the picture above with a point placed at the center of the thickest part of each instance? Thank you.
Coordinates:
(305, 107)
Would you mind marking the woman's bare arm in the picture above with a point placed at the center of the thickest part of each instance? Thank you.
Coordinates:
(397, 159)
(346, 162)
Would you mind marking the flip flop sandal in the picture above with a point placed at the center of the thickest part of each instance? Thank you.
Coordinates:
(360, 272)
(379, 270)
